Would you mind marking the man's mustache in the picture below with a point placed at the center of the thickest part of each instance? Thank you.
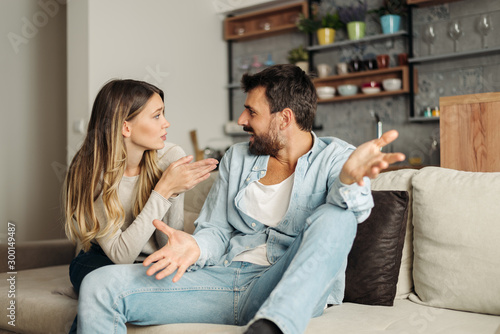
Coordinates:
(247, 129)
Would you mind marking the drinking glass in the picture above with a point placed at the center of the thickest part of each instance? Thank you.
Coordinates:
(484, 27)
(429, 36)
(455, 32)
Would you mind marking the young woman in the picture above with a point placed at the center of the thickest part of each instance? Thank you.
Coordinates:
(123, 177)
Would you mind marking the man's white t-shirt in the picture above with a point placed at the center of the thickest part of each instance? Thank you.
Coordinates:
(268, 205)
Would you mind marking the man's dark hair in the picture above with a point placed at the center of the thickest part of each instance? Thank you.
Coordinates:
(287, 86)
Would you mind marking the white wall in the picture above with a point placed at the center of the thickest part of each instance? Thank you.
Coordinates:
(33, 114)
(176, 45)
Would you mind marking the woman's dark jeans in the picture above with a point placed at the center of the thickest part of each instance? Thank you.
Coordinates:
(83, 264)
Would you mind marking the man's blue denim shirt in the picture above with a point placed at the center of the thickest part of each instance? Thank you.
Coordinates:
(223, 230)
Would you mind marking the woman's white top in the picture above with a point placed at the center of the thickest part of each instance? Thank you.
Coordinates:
(138, 235)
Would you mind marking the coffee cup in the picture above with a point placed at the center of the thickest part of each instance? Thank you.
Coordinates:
(403, 59)
(383, 61)
(342, 68)
(324, 70)
(370, 64)
(356, 65)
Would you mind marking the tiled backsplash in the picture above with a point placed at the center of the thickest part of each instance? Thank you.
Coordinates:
(353, 121)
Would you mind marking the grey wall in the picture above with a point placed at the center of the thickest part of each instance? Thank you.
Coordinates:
(33, 135)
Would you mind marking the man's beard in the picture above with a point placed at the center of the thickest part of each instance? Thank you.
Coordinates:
(267, 144)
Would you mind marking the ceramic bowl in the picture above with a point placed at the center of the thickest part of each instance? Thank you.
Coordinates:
(347, 90)
(325, 92)
(371, 87)
(370, 90)
(371, 84)
(391, 84)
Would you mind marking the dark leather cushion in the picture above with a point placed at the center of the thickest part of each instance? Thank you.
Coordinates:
(373, 263)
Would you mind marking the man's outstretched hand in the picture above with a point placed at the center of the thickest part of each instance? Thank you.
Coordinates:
(179, 253)
(368, 160)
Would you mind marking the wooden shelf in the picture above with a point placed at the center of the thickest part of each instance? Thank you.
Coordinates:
(361, 96)
(264, 23)
(359, 78)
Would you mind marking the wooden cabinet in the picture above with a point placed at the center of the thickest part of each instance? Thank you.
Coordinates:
(264, 23)
(469, 131)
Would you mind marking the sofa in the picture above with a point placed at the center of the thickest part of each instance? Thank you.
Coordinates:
(436, 269)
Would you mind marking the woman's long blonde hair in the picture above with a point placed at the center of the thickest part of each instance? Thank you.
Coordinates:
(98, 166)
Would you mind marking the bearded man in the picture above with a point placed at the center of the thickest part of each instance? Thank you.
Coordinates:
(271, 242)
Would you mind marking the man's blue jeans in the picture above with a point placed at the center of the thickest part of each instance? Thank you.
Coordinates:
(289, 292)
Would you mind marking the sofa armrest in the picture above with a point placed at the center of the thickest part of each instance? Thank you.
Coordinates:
(38, 254)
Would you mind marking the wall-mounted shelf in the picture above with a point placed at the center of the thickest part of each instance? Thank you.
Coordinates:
(369, 39)
(359, 78)
(264, 23)
(456, 55)
(423, 3)
(419, 119)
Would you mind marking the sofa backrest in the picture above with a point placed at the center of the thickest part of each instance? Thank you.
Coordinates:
(194, 200)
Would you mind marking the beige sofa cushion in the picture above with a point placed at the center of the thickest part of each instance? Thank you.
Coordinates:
(194, 199)
(457, 239)
(401, 180)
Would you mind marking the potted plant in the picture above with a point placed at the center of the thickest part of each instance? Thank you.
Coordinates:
(354, 17)
(299, 57)
(324, 27)
(390, 15)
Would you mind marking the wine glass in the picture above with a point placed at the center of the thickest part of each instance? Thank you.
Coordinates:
(484, 27)
(429, 36)
(455, 32)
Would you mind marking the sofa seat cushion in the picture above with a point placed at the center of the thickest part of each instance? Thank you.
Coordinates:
(404, 317)
(457, 239)
(38, 308)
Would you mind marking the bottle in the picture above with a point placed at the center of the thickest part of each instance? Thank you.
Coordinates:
(256, 65)
(435, 112)
(269, 61)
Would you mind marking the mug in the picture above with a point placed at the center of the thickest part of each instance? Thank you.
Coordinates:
(370, 64)
(356, 65)
(324, 70)
(383, 61)
(342, 68)
(403, 59)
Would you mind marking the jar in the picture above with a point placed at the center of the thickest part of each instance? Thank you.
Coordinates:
(435, 112)
(428, 112)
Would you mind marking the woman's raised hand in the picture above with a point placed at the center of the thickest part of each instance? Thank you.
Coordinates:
(182, 175)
